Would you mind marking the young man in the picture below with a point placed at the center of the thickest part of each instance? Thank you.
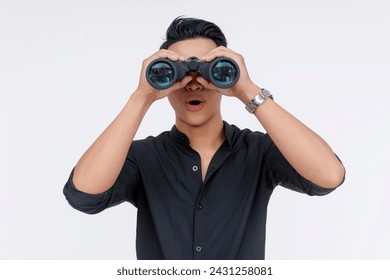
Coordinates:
(201, 189)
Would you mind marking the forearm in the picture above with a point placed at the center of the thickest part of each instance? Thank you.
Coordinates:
(307, 152)
(99, 167)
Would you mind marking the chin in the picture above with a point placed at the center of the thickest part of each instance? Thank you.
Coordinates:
(195, 120)
(192, 122)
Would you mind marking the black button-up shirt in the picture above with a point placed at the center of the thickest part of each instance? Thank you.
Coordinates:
(182, 217)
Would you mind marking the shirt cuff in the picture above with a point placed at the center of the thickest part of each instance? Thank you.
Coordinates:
(85, 202)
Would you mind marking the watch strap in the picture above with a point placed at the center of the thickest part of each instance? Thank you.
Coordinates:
(258, 100)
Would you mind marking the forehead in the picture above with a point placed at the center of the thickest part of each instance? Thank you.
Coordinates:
(193, 47)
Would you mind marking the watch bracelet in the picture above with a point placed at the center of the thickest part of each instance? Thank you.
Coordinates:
(258, 100)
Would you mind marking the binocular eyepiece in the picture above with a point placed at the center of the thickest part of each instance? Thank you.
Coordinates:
(162, 73)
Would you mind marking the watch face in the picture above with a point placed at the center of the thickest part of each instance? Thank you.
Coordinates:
(260, 98)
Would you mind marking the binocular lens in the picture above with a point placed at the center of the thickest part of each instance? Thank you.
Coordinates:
(161, 74)
(224, 73)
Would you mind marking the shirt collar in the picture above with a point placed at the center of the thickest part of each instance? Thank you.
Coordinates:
(181, 138)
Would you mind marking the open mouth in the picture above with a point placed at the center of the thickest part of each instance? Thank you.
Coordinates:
(194, 102)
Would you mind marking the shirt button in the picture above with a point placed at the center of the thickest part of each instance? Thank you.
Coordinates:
(200, 206)
(198, 249)
(195, 168)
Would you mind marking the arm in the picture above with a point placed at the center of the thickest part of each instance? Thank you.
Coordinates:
(307, 152)
(99, 167)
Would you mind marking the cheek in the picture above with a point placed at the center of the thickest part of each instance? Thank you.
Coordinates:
(173, 101)
(216, 99)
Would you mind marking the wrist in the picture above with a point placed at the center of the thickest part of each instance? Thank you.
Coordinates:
(248, 93)
(142, 98)
(257, 100)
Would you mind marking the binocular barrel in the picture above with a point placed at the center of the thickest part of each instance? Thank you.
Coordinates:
(162, 73)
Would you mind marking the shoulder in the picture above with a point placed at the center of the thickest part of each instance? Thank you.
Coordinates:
(237, 136)
(149, 144)
(151, 140)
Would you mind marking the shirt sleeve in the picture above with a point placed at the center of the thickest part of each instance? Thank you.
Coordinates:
(125, 188)
(281, 173)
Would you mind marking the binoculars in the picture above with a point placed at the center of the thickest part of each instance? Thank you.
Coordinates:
(162, 73)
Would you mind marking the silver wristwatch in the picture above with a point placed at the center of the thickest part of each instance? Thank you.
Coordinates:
(260, 98)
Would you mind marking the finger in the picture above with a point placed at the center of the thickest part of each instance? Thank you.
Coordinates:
(181, 84)
(206, 84)
(165, 54)
(219, 52)
(169, 54)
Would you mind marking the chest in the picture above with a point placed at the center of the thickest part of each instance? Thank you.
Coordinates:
(205, 160)
(183, 175)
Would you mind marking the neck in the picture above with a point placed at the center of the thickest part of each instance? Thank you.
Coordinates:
(209, 135)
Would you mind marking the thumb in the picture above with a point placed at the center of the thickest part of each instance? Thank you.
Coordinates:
(182, 83)
(206, 84)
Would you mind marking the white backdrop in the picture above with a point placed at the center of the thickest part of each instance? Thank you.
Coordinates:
(68, 67)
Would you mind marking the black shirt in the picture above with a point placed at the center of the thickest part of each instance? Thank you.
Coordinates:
(181, 217)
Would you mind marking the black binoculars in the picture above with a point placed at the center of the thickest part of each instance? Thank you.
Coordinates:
(162, 73)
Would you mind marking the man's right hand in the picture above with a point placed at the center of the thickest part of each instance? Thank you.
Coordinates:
(154, 94)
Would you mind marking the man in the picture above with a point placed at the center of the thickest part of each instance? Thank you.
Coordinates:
(201, 189)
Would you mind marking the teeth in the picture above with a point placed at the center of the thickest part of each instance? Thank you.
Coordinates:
(194, 102)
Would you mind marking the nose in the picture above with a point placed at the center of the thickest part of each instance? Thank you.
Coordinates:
(194, 85)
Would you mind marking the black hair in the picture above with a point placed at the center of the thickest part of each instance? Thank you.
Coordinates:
(189, 28)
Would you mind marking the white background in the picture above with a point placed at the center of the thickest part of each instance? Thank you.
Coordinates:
(68, 67)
